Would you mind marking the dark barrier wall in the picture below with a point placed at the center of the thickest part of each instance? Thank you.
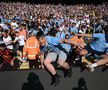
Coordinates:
(40, 80)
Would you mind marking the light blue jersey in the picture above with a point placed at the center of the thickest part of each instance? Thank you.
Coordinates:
(73, 29)
(52, 45)
(45, 31)
(99, 42)
(106, 47)
(60, 35)
(32, 30)
(67, 47)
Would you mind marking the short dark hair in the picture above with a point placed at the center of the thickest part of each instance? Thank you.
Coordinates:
(2, 44)
(52, 32)
(40, 34)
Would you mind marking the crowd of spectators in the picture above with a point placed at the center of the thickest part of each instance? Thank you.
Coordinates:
(18, 20)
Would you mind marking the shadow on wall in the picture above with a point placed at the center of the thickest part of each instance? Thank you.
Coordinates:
(81, 85)
(33, 83)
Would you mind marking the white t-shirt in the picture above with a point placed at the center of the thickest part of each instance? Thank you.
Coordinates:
(20, 40)
(14, 24)
(7, 42)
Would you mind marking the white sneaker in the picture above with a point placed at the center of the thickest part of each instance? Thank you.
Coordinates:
(90, 68)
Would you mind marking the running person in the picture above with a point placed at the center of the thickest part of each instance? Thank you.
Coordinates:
(49, 45)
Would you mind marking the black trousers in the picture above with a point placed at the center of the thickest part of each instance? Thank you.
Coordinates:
(6, 67)
(33, 63)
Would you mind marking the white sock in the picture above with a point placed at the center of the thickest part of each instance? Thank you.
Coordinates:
(94, 65)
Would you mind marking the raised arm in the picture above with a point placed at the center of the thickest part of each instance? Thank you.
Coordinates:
(68, 41)
(84, 35)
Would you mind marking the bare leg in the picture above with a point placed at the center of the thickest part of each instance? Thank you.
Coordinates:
(49, 66)
(47, 62)
(102, 61)
(19, 53)
(63, 64)
(42, 60)
(66, 68)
